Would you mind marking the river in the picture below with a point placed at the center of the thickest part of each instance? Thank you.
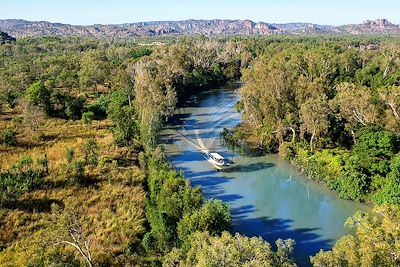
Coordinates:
(267, 196)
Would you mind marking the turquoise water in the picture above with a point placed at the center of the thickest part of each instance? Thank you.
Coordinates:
(268, 197)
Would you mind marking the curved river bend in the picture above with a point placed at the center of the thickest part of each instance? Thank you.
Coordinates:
(268, 197)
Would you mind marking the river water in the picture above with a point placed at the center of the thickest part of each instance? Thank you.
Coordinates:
(267, 196)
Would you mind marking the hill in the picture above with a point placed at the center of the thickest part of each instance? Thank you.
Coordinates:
(215, 27)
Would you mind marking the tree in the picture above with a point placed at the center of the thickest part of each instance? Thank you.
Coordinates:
(94, 69)
(69, 232)
(33, 116)
(391, 97)
(125, 124)
(155, 99)
(376, 241)
(228, 250)
(314, 118)
(375, 148)
(390, 193)
(38, 95)
(90, 151)
(214, 217)
(355, 104)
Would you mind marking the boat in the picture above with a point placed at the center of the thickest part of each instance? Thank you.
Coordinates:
(217, 160)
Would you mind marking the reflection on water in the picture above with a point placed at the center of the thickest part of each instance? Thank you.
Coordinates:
(268, 198)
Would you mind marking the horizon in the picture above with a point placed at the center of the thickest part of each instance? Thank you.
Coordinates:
(75, 12)
(199, 19)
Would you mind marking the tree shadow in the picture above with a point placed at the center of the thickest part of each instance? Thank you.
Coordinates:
(250, 167)
(34, 205)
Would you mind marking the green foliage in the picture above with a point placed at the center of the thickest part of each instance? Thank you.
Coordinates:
(94, 69)
(140, 52)
(234, 139)
(390, 193)
(170, 198)
(8, 137)
(77, 172)
(19, 179)
(87, 118)
(375, 242)
(375, 148)
(37, 94)
(353, 184)
(227, 250)
(125, 125)
(69, 155)
(74, 107)
(90, 151)
(214, 217)
(287, 151)
(11, 98)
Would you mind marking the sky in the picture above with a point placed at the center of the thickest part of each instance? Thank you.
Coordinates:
(85, 12)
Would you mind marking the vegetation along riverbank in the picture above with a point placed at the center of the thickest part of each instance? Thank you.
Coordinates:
(83, 182)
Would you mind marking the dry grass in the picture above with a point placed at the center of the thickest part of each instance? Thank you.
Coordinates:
(112, 203)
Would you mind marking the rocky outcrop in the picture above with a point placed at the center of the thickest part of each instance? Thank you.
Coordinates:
(371, 27)
(216, 27)
(5, 38)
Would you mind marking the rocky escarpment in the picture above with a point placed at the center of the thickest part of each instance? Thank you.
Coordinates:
(5, 38)
(216, 27)
(371, 27)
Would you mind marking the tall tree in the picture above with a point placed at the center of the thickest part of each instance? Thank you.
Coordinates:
(314, 118)
(94, 69)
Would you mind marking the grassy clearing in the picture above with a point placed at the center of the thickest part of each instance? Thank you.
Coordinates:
(110, 202)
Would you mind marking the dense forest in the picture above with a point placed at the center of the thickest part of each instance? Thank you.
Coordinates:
(83, 181)
(331, 107)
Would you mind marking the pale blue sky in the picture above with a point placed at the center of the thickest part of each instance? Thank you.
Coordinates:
(121, 11)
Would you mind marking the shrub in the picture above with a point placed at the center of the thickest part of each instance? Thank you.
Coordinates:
(214, 216)
(90, 151)
(11, 98)
(8, 137)
(390, 193)
(69, 155)
(287, 151)
(87, 118)
(19, 179)
(77, 168)
(74, 107)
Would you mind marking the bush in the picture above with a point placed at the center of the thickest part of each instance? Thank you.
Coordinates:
(19, 179)
(98, 109)
(74, 107)
(77, 168)
(390, 193)
(287, 151)
(90, 151)
(11, 98)
(125, 127)
(353, 185)
(69, 155)
(87, 118)
(375, 148)
(214, 216)
(8, 137)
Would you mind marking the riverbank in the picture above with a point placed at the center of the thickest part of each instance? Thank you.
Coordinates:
(267, 196)
(354, 173)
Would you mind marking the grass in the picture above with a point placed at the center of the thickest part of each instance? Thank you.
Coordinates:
(111, 200)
